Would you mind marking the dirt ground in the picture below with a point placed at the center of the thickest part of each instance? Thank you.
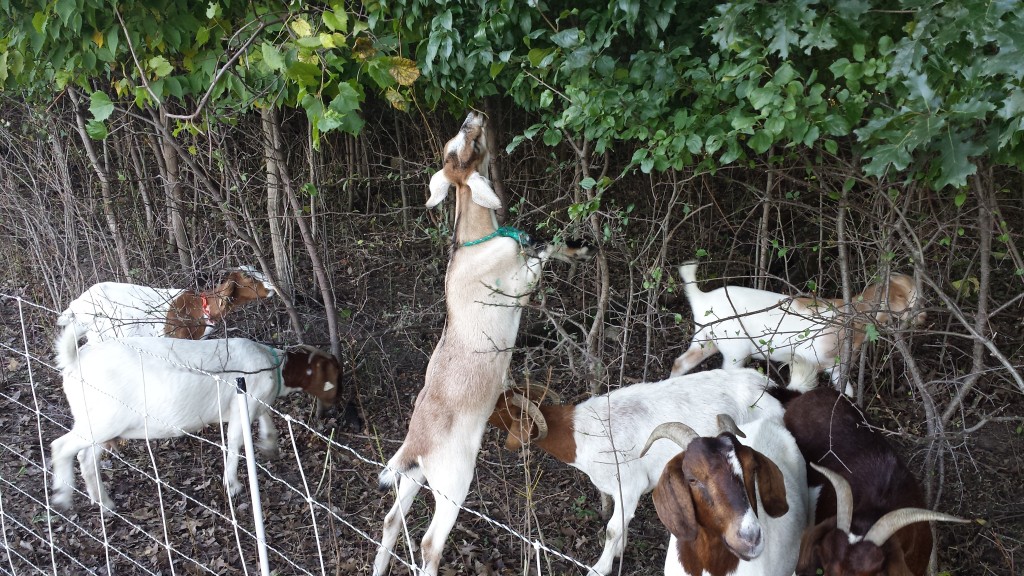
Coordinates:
(392, 316)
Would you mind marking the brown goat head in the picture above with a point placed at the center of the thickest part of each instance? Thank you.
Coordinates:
(888, 301)
(517, 413)
(897, 544)
(314, 371)
(710, 487)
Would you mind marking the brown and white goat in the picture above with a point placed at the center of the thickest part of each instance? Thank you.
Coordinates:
(806, 333)
(602, 436)
(149, 388)
(870, 518)
(489, 278)
(115, 309)
(735, 508)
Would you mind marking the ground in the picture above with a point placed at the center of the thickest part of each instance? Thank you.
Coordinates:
(392, 322)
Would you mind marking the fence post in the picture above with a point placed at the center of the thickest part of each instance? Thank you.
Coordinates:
(254, 483)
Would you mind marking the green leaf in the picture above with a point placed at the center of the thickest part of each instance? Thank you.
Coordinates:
(160, 66)
(64, 9)
(761, 141)
(38, 20)
(871, 333)
(955, 163)
(100, 106)
(858, 52)
(96, 129)
(567, 39)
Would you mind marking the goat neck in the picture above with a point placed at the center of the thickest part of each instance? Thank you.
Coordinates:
(472, 221)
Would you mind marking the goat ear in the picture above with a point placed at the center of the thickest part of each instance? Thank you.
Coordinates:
(483, 194)
(809, 561)
(439, 185)
(770, 483)
(673, 502)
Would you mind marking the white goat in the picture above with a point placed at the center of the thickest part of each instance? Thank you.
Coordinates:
(602, 436)
(489, 277)
(805, 333)
(149, 388)
(721, 520)
(115, 309)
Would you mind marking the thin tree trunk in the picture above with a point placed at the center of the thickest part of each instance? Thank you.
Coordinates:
(307, 236)
(492, 108)
(275, 215)
(101, 173)
(172, 187)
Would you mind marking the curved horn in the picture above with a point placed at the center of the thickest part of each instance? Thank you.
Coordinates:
(540, 393)
(844, 497)
(533, 412)
(677, 432)
(313, 351)
(893, 521)
(727, 424)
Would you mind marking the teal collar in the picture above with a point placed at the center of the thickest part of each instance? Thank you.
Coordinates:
(507, 231)
(278, 369)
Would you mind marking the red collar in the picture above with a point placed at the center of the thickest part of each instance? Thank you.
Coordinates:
(206, 310)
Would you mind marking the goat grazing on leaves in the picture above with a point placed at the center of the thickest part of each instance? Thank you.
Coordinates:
(806, 333)
(489, 277)
(870, 517)
(150, 388)
(732, 507)
(603, 435)
(114, 309)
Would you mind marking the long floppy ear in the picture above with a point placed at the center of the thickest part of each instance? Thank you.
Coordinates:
(809, 560)
(439, 185)
(770, 483)
(483, 194)
(673, 502)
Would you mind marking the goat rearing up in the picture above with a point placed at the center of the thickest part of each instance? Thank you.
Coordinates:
(489, 278)
(115, 309)
(805, 333)
(149, 388)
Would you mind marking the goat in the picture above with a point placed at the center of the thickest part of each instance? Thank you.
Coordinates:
(602, 436)
(489, 278)
(806, 333)
(114, 309)
(149, 388)
(879, 527)
(721, 521)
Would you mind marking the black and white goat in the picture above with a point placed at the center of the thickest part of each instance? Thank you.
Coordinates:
(806, 333)
(150, 388)
(870, 517)
(733, 507)
(490, 275)
(115, 309)
(603, 436)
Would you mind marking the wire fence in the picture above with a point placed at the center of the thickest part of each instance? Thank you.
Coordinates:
(169, 517)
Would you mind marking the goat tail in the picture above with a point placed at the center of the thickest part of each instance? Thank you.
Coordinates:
(688, 272)
(66, 346)
(395, 468)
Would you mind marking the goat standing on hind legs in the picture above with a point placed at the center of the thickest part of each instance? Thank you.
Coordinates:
(488, 280)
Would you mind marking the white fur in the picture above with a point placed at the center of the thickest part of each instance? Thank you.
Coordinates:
(611, 430)
(745, 322)
(780, 536)
(143, 388)
(115, 309)
(486, 285)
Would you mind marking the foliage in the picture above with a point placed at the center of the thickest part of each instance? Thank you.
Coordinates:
(694, 83)
(178, 55)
